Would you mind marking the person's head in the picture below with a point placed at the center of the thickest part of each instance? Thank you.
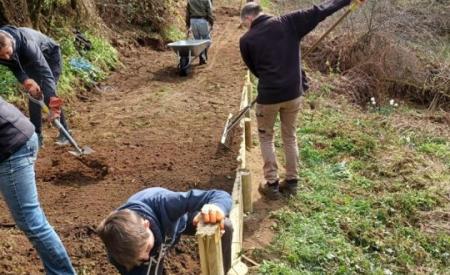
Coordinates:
(249, 12)
(127, 237)
(6, 46)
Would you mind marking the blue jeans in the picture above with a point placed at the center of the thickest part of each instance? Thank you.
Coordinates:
(18, 187)
(200, 30)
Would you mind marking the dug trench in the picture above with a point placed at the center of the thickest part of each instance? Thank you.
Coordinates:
(148, 127)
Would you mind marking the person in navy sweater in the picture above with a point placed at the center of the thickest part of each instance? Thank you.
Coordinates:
(138, 234)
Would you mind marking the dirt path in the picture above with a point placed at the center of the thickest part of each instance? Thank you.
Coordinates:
(148, 127)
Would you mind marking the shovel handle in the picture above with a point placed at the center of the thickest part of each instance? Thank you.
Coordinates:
(58, 125)
(56, 121)
(353, 7)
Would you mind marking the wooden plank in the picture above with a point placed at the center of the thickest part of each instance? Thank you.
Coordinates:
(210, 247)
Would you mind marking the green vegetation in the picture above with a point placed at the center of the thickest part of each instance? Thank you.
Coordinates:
(368, 196)
(173, 33)
(103, 58)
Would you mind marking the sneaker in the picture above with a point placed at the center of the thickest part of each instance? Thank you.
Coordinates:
(270, 191)
(61, 140)
(289, 187)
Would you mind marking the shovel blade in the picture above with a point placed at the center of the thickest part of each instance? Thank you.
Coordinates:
(225, 138)
(86, 150)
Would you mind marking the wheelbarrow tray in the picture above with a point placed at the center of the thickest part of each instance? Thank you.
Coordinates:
(189, 47)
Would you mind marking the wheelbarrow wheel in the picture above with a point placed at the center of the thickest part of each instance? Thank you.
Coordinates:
(183, 67)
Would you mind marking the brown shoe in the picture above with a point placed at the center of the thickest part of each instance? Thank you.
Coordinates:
(289, 187)
(271, 191)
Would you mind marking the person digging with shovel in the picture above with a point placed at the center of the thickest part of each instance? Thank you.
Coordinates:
(271, 50)
(35, 60)
(138, 234)
(18, 153)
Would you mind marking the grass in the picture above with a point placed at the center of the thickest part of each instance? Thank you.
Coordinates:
(103, 58)
(173, 33)
(365, 196)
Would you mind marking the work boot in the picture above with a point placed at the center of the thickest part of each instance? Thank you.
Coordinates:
(289, 187)
(61, 140)
(202, 60)
(270, 190)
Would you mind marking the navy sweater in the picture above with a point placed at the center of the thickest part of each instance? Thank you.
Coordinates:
(271, 50)
(168, 211)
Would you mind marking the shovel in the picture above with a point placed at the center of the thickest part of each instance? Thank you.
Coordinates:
(232, 122)
(78, 150)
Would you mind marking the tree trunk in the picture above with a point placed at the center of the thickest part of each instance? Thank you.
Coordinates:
(14, 12)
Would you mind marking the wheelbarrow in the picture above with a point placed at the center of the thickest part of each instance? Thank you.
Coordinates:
(187, 51)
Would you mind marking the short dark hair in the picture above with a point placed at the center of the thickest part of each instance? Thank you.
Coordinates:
(124, 235)
(250, 9)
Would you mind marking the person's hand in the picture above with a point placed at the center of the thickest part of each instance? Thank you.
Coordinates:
(33, 88)
(210, 214)
(54, 105)
(188, 32)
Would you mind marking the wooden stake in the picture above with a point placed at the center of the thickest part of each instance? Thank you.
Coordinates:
(247, 191)
(248, 133)
(210, 248)
(250, 91)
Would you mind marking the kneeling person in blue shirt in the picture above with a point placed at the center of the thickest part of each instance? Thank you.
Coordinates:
(138, 234)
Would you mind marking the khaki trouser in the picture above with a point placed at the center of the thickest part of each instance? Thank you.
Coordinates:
(266, 115)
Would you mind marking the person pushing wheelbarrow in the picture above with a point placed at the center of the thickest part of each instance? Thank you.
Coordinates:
(200, 21)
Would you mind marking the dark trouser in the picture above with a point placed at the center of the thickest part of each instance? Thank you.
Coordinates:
(227, 239)
(53, 58)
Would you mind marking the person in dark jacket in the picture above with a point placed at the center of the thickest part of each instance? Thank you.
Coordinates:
(138, 234)
(18, 152)
(200, 20)
(271, 50)
(35, 61)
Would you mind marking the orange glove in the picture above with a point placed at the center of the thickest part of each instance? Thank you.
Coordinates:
(33, 88)
(210, 214)
(54, 105)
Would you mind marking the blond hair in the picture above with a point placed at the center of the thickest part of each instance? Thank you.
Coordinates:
(124, 236)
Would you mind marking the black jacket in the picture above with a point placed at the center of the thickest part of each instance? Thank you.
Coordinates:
(30, 54)
(271, 50)
(15, 129)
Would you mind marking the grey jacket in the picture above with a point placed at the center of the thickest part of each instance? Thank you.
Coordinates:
(15, 129)
(199, 9)
(31, 50)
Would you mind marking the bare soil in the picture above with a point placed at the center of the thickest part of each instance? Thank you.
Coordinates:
(148, 127)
